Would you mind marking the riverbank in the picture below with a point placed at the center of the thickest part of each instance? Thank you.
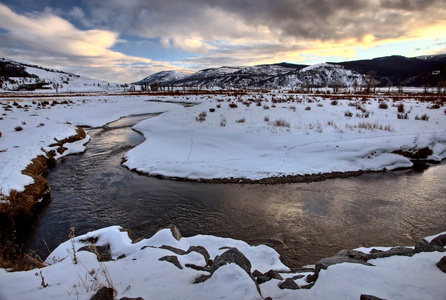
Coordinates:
(34, 133)
(169, 266)
(249, 138)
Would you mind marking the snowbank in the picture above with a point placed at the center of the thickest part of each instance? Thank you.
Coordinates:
(271, 136)
(168, 266)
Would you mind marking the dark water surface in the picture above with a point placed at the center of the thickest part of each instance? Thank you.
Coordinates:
(303, 221)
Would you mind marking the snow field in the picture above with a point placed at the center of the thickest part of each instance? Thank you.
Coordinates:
(315, 137)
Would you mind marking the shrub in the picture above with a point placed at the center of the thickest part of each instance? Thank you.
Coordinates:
(348, 114)
(434, 106)
(424, 117)
(18, 128)
(403, 116)
(281, 123)
(242, 120)
(400, 108)
(201, 117)
(267, 118)
(265, 107)
(383, 105)
(308, 108)
(334, 102)
(232, 105)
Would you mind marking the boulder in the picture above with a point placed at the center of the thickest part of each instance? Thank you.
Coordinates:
(439, 241)
(358, 255)
(233, 255)
(422, 247)
(442, 264)
(400, 251)
(262, 279)
(273, 275)
(329, 261)
(289, 284)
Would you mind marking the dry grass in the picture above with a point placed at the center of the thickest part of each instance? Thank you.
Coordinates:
(17, 207)
(281, 123)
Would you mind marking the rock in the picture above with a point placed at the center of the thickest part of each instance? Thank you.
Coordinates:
(329, 261)
(369, 297)
(353, 254)
(175, 231)
(104, 293)
(102, 252)
(273, 274)
(232, 255)
(439, 241)
(261, 279)
(442, 264)
(202, 278)
(307, 286)
(173, 249)
(289, 284)
(312, 277)
(400, 251)
(198, 268)
(202, 251)
(122, 256)
(422, 247)
(257, 273)
(172, 259)
(127, 298)
(298, 277)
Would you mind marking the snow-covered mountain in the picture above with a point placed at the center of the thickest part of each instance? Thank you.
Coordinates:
(17, 76)
(416, 71)
(164, 76)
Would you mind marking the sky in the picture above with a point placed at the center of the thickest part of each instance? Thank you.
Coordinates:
(126, 40)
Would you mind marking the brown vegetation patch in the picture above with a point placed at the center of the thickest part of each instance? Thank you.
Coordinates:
(19, 209)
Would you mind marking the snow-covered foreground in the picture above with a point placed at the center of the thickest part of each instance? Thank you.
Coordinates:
(26, 127)
(264, 135)
(167, 266)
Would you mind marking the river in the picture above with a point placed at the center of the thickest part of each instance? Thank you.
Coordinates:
(302, 221)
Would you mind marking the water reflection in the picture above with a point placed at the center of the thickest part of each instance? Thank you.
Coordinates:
(304, 222)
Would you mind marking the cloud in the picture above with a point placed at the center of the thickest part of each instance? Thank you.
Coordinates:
(276, 26)
(50, 40)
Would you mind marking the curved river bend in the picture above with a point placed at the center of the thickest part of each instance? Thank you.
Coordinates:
(303, 221)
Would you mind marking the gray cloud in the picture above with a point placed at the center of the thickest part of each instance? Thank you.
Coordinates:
(214, 19)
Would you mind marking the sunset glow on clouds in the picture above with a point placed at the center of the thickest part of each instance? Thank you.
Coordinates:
(123, 41)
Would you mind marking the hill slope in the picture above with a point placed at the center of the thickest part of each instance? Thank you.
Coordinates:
(17, 76)
(415, 71)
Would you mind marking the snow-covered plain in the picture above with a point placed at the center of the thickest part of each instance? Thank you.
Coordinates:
(282, 134)
(141, 273)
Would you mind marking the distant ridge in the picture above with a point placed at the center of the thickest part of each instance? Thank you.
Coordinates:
(390, 70)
